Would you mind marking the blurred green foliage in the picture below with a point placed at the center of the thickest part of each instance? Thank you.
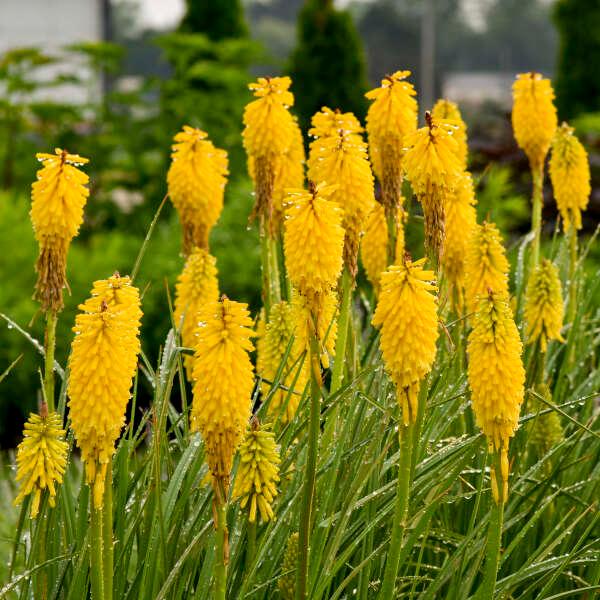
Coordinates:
(97, 256)
(497, 199)
(126, 133)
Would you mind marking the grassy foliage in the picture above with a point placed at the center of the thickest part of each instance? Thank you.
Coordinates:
(162, 505)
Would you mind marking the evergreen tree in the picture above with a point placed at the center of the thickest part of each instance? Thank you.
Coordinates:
(217, 19)
(578, 74)
(328, 64)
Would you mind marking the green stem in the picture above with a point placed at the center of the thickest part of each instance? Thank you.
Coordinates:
(49, 359)
(275, 280)
(337, 375)
(221, 549)
(536, 216)
(107, 534)
(494, 539)
(270, 268)
(391, 217)
(310, 475)
(400, 512)
(96, 552)
(266, 269)
(251, 548)
(41, 534)
(572, 274)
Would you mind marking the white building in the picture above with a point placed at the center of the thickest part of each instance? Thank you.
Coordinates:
(50, 25)
(474, 88)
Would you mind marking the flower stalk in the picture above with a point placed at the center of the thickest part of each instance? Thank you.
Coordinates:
(494, 539)
(310, 472)
(50, 339)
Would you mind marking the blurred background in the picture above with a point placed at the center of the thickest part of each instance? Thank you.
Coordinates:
(115, 80)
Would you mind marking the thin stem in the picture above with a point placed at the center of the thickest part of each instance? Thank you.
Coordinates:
(270, 268)
(337, 375)
(310, 474)
(392, 227)
(96, 552)
(107, 534)
(494, 539)
(50, 339)
(275, 280)
(572, 272)
(536, 216)
(251, 548)
(400, 512)
(221, 547)
(266, 270)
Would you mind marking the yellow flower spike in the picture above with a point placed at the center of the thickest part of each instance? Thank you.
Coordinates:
(289, 565)
(313, 240)
(544, 305)
(545, 430)
(342, 160)
(434, 169)
(534, 117)
(323, 309)
(391, 117)
(224, 380)
(41, 458)
(460, 222)
(58, 198)
(486, 266)
(272, 346)
(258, 472)
(446, 110)
(570, 176)
(496, 376)
(270, 135)
(288, 172)
(373, 246)
(102, 365)
(407, 315)
(327, 123)
(196, 181)
(196, 286)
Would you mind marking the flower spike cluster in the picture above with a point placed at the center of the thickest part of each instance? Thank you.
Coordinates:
(433, 167)
(391, 118)
(570, 176)
(318, 316)
(407, 315)
(496, 377)
(223, 383)
(544, 305)
(272, 346)
(196, 286)
(448, 111)
(41, 458)
(196, 180)
(327, 123)
(58, 198)
(313, 240)
(486, 266)
(258, 474)
(102, 365)
(461, 219)
(534, 117)
(272, 140)
(289, 565)
(374, 243)
(342, 160)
